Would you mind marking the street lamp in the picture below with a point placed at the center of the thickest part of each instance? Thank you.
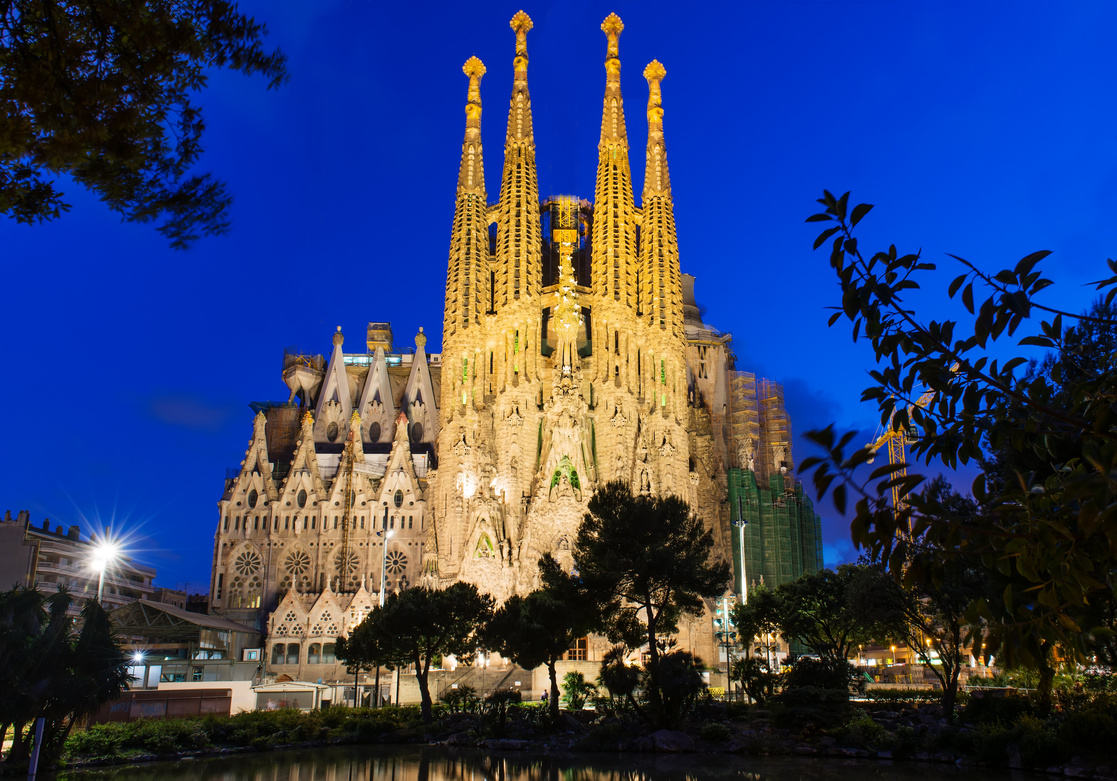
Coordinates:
(383, 568)
(741, 523)
(105, 554)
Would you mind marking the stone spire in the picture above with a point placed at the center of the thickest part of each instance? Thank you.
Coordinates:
(518, 249)
(661, 292)
(614, 226)
(467, 276)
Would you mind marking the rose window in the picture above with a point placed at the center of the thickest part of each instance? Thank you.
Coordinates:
(247, 563)
(298, 563)
(397, 562)
(349, 565)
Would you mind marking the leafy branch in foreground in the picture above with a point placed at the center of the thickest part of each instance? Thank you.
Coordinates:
(1045, 532)
(104, 92)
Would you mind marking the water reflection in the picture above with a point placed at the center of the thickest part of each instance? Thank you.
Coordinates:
(434, 763)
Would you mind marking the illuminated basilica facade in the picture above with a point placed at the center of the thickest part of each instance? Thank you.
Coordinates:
(572, 355)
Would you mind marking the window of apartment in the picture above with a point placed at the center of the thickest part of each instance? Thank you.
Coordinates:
(578, 651)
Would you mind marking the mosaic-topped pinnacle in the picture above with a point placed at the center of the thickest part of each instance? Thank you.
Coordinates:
(521, 23)
(474, 69)
(420, 338)
(612, 27)
(338, 338)
(655, 71)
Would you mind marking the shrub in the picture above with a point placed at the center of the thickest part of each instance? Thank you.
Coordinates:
(463, 699)
(822, 708)
(604, 737)
(576, 690)
(807, 672)
(863, 732)
(1093, 727)
(902, 696)
(715, 732)
(1004, 709)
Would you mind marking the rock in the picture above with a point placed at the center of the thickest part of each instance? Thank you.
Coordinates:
(460, 739)
(806, 750)
(644, 743)
(569, 723)
(672, 741)
(506, 744)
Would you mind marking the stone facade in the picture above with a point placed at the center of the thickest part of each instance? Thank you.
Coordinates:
(572, 355)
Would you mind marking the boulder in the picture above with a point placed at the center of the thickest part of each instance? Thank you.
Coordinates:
(671, 741)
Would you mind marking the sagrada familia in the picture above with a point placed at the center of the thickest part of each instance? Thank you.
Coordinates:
(572, 354)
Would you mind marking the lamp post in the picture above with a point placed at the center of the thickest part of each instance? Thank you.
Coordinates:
(740, 523)
(383, 567)
(104, 555)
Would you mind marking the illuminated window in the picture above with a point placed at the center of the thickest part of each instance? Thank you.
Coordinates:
(578, 651)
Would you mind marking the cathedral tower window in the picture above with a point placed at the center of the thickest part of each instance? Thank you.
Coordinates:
(392, 524)
(362, 521)
(256, 523)
(236, 524)
(220, 584)
(398, 499)
(286, 523)
(410, 521)
(374, 432)
(253, 497)
(301, 498)
(313, 521)
(226, 523)
(306, 522)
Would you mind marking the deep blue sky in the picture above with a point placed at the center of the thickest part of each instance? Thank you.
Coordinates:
(984, 129)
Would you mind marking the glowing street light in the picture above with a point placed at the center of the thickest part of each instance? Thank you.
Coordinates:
(105, 554)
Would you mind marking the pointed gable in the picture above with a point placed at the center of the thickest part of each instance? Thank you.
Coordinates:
(288, 619)
(335, 404)
(400, 473)
(304, 473)
(256, 469)
(419, 401)
(376, 405)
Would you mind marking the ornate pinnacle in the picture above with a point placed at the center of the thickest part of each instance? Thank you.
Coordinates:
(612, 27)
(474, 69)
(521, 23)
(654, 73)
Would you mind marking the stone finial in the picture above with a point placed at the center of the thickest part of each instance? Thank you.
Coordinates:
(474, 69)
(612, 27)
(654, 73)
(420, 338)
(521, 23)
(338, 338)
(308, 419)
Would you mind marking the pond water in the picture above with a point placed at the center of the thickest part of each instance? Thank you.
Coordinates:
(435, 763)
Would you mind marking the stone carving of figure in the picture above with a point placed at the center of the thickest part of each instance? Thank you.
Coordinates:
(779, 456)
(645, 486)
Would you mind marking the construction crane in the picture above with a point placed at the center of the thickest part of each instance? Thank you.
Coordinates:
(897, 441)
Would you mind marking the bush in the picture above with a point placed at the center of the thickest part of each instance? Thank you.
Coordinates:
(863, 732)
(903, 696)
(576, 690)
(807, 672)
(715, 732)
(463, 699)
(822, 708)
(1006, 709)
(604, 737)
(1093, 727)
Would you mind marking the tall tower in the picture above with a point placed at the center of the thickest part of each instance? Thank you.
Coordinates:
(614, 216)
(467, 274)
(661, 291)
(517, 273)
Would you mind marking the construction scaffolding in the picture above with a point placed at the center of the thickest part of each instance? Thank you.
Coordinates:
(782, 532)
